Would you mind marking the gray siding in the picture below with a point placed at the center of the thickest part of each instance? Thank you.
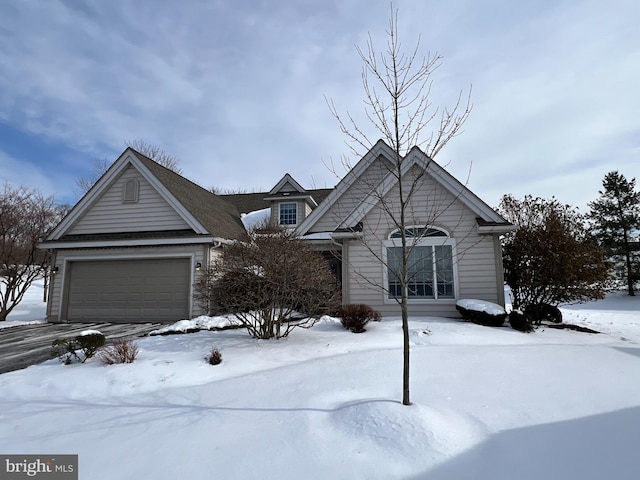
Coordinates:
(431, 205)
(351, 198)
(110, 214)
(198, 253)
(301, 211)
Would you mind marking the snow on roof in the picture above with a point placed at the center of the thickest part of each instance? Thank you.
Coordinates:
(255, 218)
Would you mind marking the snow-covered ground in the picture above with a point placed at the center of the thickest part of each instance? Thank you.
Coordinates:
(489, 403)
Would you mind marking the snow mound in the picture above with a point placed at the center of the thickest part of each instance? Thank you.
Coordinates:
(386, 427)
(202, 322)
(481, 306)
(90, 332)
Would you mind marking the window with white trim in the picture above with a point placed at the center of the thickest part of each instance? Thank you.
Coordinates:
(430, 266)
(288, 213)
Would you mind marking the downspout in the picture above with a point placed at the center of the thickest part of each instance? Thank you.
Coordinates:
(497, 248)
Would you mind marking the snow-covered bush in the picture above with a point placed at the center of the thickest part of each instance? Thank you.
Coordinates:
(521, 321)
(87, 343)
(355, 316)
(121, 351)
(482, 312)
(214, 357)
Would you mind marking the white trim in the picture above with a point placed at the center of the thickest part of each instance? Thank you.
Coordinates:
(282, 182)
(380, 148)
(128, 157)
(121, 256)
(493, 229)
(421, 242)
(130, 243)
(439, 174)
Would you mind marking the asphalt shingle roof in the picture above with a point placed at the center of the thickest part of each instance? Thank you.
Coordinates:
(219, 217)
(250, 202)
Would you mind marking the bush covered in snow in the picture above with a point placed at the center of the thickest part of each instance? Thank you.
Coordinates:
(122, 351)
(482, 312)
(355, 317)
(87, 344)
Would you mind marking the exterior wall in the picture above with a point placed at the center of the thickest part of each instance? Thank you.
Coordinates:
(197, 253)
(475, 259)
(352, 197)
(110, 214)
(301, 211)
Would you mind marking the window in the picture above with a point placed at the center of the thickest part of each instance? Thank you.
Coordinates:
(430, 266)
(130, 191)
(288, 214)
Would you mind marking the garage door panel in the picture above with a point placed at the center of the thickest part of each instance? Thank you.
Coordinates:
(129, 290)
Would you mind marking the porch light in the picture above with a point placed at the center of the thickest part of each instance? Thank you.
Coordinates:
(198, 266)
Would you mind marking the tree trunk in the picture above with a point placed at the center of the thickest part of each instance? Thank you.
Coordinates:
(406, 399)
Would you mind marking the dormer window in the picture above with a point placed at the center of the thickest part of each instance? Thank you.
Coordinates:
(130, 191)
(288, 213)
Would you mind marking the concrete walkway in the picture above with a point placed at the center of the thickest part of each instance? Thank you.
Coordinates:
(25, 345)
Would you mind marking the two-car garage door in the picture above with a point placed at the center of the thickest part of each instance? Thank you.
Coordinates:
(144, 290)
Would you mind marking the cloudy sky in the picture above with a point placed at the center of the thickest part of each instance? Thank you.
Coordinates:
(236, 89)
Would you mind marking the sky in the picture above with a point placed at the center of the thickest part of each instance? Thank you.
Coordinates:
(237, 90)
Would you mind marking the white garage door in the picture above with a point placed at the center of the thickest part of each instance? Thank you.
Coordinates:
(128, 290)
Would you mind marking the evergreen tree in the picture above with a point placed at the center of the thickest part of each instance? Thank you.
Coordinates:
(616, 218)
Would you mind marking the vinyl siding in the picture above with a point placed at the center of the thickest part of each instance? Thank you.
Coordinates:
(110, 214)
(352, 197)
(198, 253)
(475, 254)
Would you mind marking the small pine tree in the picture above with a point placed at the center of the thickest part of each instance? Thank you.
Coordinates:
(615, 217)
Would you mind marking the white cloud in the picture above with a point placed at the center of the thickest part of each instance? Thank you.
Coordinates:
(236, 89)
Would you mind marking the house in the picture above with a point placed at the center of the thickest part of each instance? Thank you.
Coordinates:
(131, 249)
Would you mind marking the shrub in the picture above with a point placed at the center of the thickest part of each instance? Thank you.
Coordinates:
(272, 281)
(521, 321)
(543, 311)
(215, 357)
(481, 312)
(354, 317)
(66, 349)
(122, 351)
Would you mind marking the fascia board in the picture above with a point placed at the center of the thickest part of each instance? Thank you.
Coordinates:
(168, 196)
(92, 195)
(127, 243)
(380, 148)
(283, 181)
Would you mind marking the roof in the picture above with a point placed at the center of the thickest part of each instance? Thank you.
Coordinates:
(219, 217)
(251, 202)
(495, 223)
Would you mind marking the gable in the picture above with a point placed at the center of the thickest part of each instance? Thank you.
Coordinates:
(373, 178)
(349, 193)
(431, 204)
(113, 212)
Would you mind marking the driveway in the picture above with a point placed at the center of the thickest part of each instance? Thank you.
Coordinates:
(25, 345)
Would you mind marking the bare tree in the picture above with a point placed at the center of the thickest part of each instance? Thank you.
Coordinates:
(26, 216)
(271, 281)
(100, 166)
(157, 154)
(397, 89)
